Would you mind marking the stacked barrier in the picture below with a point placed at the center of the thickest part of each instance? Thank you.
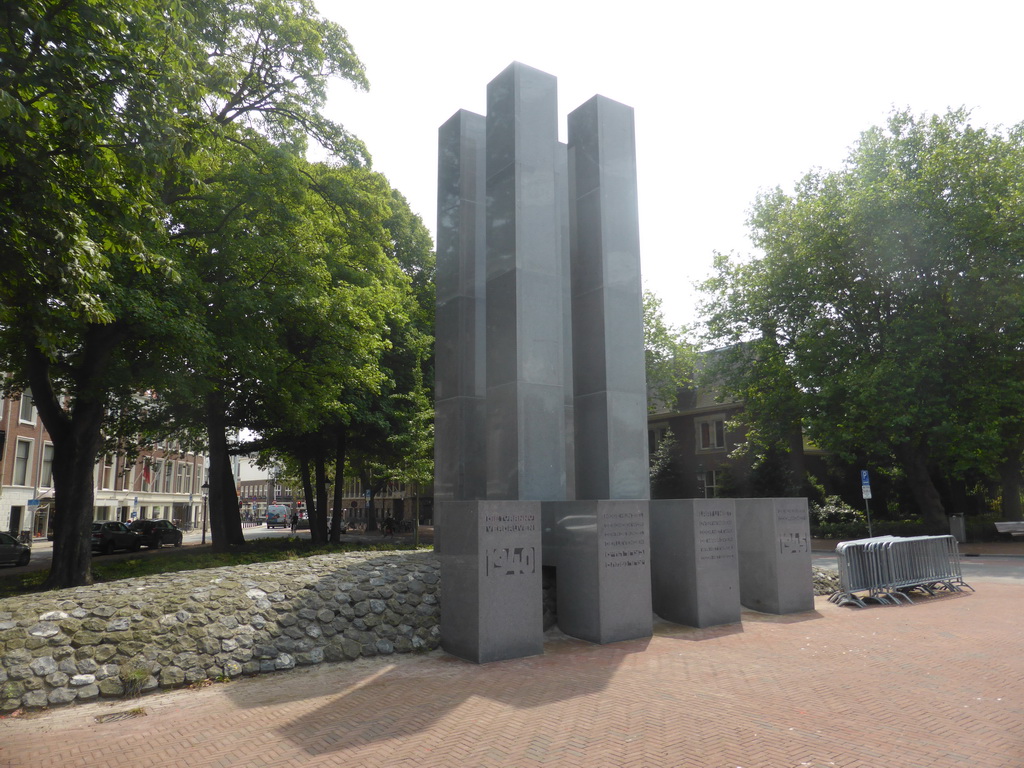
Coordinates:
(888, 567)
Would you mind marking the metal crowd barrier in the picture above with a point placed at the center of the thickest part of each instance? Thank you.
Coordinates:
(888, 567)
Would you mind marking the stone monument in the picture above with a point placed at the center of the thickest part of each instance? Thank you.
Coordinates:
(775, 555)
(540, 393)
(695, 561)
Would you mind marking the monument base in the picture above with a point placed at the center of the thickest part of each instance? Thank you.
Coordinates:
(491, 603)
(775, 555)
(602, 554)
(694, 565)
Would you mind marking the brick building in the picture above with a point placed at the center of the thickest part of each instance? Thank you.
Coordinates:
(164, 482)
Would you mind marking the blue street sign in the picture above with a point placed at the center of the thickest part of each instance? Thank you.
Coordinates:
(864, 479)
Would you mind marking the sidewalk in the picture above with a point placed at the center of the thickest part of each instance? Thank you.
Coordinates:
(936, 684)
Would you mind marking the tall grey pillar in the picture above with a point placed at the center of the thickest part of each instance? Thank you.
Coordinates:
(526, 408)
(607, 312)
(460, 371)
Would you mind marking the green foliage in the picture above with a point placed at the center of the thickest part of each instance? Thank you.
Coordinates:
(834, 519)
(883, 315)
(133, 676)
(670, 359)
(161, 230)
(982, 527)
(667, 481)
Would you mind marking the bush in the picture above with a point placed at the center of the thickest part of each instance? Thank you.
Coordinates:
(835, 519)
(983, 527)
(898, 528)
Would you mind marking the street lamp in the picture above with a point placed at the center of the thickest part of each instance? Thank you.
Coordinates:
(206, 489)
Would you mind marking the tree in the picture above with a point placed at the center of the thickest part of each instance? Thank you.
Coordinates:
(752, 368)
(111, 113)
(391, 432)
(667, 482)
(885, 308)
(94, 108)
(670, 360)
(297, 291)
(359, 374)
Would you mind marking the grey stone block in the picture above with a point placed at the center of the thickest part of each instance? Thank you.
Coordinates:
(460, 372)
(603, 568)
(459, 468)
(607, 315)
(694, 562)
(775, 555)
(491, 571)
(526, 398)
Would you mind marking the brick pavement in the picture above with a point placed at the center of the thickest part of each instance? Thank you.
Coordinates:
(933, 685)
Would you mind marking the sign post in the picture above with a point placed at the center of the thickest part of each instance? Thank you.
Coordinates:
(28, 522)
(865, 490)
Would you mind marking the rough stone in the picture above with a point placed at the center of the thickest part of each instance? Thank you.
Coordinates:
(61, 696)
(63, 646)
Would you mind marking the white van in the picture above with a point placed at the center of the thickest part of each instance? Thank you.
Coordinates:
(278, 515)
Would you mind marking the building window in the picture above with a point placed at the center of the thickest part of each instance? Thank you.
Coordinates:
(709, 481)
(107, 473)
(46, 476)
(28, 408)
(179, 477)
(168, 476)
(22, 452)
(188, 479)
(712, 434)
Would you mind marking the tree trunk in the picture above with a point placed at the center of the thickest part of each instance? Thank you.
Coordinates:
(216, 440)
(416, 518)
(74, 461)
(371, 513)
(229, 504)
(307, 485)
(222, 506)
(926, 495)
(318, 523)
(795, 463)
(1009, 481)
(76, 440)
(339, 486)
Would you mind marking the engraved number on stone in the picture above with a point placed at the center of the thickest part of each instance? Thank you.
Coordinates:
(793, 543)
(510, 561)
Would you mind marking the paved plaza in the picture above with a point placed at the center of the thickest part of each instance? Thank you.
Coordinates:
(935, 684)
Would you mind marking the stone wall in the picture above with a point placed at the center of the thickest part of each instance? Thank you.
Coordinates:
(169, 630)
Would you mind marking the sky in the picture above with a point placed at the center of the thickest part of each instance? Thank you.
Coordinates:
(730, 98)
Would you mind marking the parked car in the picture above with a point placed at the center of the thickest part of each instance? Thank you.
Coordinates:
(12, 551)
(156, 533)
(108, 535)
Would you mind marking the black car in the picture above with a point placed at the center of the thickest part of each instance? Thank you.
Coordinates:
(108, 535)
(12, 551)
(156, 533)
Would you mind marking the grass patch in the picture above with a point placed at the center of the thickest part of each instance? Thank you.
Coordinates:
(195, 558)
(133, 676)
